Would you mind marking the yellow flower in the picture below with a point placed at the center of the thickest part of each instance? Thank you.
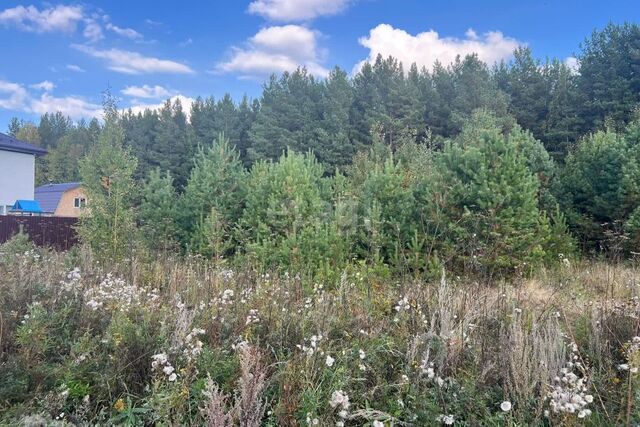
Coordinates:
(119, 405)
(117, 338)
(616, 380)
(184, 392)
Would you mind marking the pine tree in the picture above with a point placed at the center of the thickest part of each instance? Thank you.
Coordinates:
(108, 226)
(285, 223)
(528, 91)
(217, 182)
(593, 192)
(489, 206)
(609, 76)
(158, 212)
(172, 146)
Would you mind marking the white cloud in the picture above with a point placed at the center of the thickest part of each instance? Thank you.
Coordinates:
(275, 50)
(63, 19)
(297, 10)
(59, 18)
(184, 100)
(45, 85)
(124, 61)
(428, 47)
(14, 96)
(124, 32)
(572, 63)
(92, 31)
(71, 106)
(147, 92)
(76, 68)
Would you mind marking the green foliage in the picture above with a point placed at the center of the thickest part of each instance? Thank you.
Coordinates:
(158, 212)
(107, 176)
(387, 207)
(489, 199)
(286, 219)
(216, 187)
(600, 186)
(609, 78)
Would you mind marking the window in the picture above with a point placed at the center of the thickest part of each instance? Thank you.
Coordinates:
(79, 202)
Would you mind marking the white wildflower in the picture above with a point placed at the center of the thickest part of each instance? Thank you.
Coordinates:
(569, 392)
(446, 419)
(329, 361)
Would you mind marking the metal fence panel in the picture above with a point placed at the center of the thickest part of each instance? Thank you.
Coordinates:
(55, 232)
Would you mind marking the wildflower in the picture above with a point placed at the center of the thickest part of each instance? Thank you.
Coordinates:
(252, 317)
(446, 419)
(312, 422)
(161, 362)
(362, 354)
(403, 304)
(158, 359)
(377, 423)
(119, 405)
(623, 367)
(427, 368)
(329, 361)
(584, 413)
(505, 406)
(569, 392)
(339, 398)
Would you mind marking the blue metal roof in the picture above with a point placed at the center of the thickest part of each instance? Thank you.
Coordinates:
(9, 143)
(49, 195)
(26, 206)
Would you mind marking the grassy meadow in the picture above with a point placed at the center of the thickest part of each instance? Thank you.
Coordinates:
(185, 341)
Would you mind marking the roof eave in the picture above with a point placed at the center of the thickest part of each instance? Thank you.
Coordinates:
(35, 152)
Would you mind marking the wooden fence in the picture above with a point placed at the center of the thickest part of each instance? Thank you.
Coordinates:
(55, 232)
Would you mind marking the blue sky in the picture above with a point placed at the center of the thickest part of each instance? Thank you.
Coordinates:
(60, 56)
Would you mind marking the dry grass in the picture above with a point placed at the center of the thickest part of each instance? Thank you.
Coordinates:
(485, 344)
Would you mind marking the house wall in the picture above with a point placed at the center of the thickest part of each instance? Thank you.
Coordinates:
(66, 205)
(17, 176)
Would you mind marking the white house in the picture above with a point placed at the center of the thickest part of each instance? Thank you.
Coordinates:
(17, 171)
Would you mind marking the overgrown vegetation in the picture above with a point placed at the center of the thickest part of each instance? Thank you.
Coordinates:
(183, 341)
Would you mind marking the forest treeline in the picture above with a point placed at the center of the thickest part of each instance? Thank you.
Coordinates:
(464, 163)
